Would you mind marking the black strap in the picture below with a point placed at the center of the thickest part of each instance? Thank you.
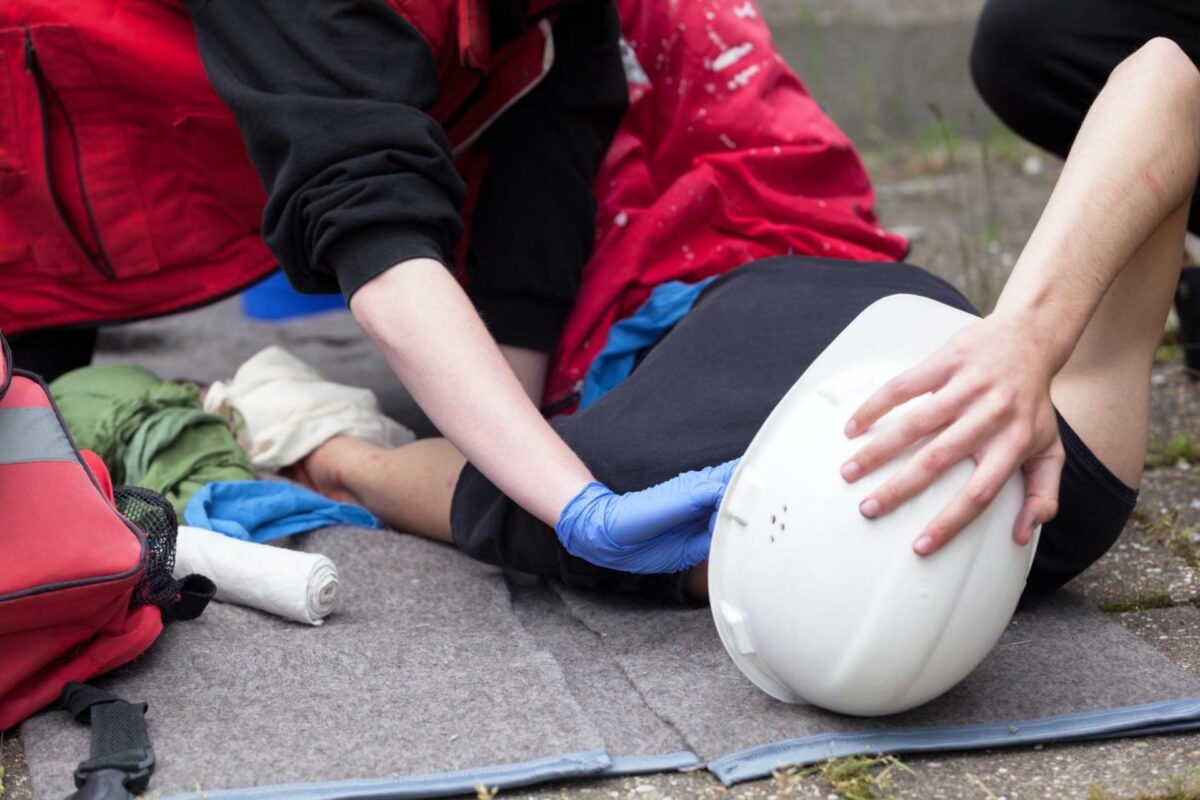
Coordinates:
(195, 592)
(121, 759)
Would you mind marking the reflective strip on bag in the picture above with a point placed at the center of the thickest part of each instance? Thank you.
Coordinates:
(32, 434)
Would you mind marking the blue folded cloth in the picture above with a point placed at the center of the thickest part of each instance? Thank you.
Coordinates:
(667, 304)
(262, 511)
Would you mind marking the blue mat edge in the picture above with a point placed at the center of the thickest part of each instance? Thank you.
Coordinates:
(590, 763)
(442, 784)
(1166, 716)
(645, 765)
(1169, 716)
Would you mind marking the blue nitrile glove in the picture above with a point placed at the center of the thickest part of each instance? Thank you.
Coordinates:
(666, 528)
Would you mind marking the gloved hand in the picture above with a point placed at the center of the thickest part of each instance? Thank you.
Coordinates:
(666, 528)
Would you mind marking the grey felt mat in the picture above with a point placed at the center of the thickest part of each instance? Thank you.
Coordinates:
(438, 673)
(1059, 659)
(423, 669)
(629, 725)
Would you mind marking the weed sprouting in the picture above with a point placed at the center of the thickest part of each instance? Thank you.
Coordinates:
(853, 778)
(1153, 602)
(1180, 448)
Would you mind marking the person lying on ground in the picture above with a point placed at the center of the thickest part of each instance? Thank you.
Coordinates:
(1054, 381)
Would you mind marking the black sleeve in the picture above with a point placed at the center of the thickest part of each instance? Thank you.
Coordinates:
(330, 97)
(534, 223)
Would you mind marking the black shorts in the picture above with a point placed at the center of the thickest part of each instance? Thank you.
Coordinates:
(697, 398)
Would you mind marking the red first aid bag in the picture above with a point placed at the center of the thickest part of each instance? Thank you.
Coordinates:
(83, 589)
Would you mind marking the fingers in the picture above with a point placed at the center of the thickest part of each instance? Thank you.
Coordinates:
(724, 472)
(696, 549)
(954, 444)
(923, 378)
(927, 418)
(1043, 473)
(989, 477)
(642, 516)
(706, 487)
(707, 495)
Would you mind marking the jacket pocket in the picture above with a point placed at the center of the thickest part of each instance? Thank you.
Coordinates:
(74, 189)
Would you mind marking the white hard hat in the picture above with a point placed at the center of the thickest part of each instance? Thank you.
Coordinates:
(814, 602)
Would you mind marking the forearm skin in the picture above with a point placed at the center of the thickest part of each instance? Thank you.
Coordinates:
(432, 337)
(1133, 164)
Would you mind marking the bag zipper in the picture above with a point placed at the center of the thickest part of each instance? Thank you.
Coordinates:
(46, 94)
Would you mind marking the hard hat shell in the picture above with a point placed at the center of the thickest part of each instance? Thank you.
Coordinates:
(814, 602)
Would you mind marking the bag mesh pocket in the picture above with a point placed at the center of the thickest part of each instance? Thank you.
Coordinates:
(154, 516)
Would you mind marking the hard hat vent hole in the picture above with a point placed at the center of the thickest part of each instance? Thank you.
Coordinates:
(777, 519)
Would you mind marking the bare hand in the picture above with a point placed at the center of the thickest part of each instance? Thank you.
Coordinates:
(991, 401)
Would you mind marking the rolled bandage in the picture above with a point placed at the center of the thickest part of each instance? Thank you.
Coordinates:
(288, 583)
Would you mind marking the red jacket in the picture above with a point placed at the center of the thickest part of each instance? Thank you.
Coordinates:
(723, 158)
(125, 191)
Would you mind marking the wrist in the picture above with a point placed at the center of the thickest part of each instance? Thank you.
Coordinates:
(1043, 323)
(580, 508)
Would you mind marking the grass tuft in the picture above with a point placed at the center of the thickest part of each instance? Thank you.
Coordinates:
(1155, 528)
(852, 778)
(1167, 353)
(1183, 541)
(1186, 544)
(1141, 604)
(1180, 448)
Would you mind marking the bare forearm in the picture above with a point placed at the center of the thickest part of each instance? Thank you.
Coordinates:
(426, 327)
(1133, 164)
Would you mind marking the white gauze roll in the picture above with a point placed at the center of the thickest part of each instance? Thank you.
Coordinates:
(288, 583)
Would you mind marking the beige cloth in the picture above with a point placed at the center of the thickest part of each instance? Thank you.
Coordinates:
(281, 410)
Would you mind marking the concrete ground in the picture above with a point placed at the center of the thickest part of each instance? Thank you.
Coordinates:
(878, 66)
(967, 193)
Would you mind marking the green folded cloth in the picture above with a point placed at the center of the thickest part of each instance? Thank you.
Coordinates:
(149, 432)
